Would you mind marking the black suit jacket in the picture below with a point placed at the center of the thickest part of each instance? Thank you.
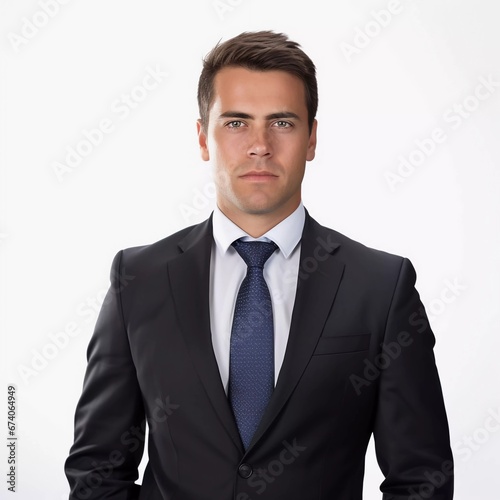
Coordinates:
(359, 360)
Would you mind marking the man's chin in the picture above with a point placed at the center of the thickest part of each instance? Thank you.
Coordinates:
(256, 209)
(260, 207)
(257, 204)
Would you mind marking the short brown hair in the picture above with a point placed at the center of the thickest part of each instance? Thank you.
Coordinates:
(260, 51)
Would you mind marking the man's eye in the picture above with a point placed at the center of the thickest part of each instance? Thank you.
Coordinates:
(283, 124)
(234, 124)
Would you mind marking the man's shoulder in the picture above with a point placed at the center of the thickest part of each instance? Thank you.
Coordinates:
(350, 250)
(368, 266)
(162, 251)
(166, 247)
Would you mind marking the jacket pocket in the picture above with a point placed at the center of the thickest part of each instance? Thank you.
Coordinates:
(342, 344)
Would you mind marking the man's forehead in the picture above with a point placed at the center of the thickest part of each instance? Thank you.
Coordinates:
(251, 88)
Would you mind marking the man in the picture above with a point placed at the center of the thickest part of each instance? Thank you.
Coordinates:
(262, 348)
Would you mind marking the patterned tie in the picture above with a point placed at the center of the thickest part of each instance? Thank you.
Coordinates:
(251, 363)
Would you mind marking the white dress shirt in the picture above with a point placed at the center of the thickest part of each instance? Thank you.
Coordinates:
(228, 269)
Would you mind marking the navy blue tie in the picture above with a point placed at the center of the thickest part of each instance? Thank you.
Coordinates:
(251, 362)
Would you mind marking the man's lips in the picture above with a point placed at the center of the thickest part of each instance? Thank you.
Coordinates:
(258, 175)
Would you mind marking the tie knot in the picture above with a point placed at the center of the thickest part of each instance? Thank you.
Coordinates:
(254, 253)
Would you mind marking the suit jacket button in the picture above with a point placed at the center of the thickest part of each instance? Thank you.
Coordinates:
(245, 471)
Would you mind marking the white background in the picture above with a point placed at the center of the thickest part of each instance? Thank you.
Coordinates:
(146, 179)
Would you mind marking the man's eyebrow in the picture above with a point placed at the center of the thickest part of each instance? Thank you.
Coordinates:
(272, 116)
(282, 114)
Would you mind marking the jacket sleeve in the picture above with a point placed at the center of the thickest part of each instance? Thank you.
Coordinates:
(411, 429)
(103, 461)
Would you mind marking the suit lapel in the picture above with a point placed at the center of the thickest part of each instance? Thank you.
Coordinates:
(189, 275)
(319, 278)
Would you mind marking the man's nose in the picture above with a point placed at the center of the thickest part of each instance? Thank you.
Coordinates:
(260, 144)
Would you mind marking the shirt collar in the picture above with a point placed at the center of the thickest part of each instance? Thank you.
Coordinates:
(286, 234)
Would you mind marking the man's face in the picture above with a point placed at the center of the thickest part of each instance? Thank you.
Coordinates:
(258, 141)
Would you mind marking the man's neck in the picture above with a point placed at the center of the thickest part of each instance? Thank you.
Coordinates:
(258, 224)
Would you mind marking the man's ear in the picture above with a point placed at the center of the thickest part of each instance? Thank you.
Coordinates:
(202, 141)
(311, 146)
